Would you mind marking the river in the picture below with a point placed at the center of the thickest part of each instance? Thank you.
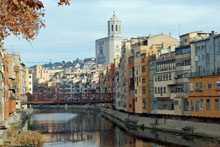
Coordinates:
(80, 128)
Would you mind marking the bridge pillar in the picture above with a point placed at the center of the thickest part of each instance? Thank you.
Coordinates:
(66, 106)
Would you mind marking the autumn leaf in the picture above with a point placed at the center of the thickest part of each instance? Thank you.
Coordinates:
(22, 17)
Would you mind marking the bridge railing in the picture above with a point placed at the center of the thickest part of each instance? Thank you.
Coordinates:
(73, 97)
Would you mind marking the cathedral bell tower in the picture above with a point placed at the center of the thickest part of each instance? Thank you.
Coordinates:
(114, 27)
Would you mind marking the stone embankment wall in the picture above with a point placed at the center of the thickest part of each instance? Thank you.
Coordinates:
(168, 125)
(67, 107)
(14, 120)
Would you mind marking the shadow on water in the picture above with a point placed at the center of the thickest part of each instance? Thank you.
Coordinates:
(89, 128)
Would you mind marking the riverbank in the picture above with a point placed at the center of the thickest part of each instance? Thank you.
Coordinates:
(14, 120)
(161, 131)
(165, 125)
(191, 128)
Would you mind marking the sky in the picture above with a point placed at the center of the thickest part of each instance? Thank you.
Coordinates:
(71, 31)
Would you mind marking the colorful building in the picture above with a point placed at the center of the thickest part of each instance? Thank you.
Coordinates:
(184, 66)
(6, 87)
(164, 81)
(204, 96)
(152, 69)
(204, 81)
(1, 85)
(145, 48)
(116, 89)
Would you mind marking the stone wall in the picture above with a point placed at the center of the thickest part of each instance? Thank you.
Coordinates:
(169, 125)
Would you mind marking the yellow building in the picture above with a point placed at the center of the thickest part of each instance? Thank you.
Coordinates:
(27, 80)
(204, 96)
(40, 75)
(146, 47)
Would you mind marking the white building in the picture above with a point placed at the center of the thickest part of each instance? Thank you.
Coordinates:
(109, 47)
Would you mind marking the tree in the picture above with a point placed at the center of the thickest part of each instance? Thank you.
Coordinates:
(23, 18)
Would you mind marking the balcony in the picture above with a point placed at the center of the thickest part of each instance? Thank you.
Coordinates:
(200, 90)
(182, 95)
(204, 73)
(218, 89)
(165, 58)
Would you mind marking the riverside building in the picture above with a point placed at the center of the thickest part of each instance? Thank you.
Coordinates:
(108, 48)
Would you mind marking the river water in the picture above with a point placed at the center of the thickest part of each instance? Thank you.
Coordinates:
(90, 129)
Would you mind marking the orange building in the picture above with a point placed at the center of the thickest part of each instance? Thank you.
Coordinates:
(109, 81)
(204, 96)
(6, 104)
(130, 82)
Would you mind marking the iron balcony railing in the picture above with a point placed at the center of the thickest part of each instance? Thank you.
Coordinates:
(204, 73)
(165, 58)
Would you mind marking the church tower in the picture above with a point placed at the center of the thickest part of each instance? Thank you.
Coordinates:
(109, 48)
(114, 27)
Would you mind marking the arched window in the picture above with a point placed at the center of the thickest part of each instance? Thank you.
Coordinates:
(116, 27)
(112, 28)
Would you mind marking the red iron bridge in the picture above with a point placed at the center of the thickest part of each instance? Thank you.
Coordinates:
(73, 98)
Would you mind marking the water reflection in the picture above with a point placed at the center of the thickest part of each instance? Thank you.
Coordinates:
(82, 129)
(86, 128)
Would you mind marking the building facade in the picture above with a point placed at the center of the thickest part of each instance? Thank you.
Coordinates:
(204, 81)
(204, 96)
(165, 81)
(145, 48)
(108, 48)
(185, 64)
(2, 90)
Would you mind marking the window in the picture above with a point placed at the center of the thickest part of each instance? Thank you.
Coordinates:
(197, 86)
(143, 68)
(112, 28)
(218, 84)
(166, 77)
(191, 86)
(143, 80)
(144, 104)
(143, 90)
(155, 89)
(207, 104)
(186, 106)
(165, 90)
(143, 58)
(155, 76)
(200, 85)
(209, 86)
(216, 104)
(192, 105)
(201, 103)
(116, 27)
(138, 54)
(170, 76)
(197, 106)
